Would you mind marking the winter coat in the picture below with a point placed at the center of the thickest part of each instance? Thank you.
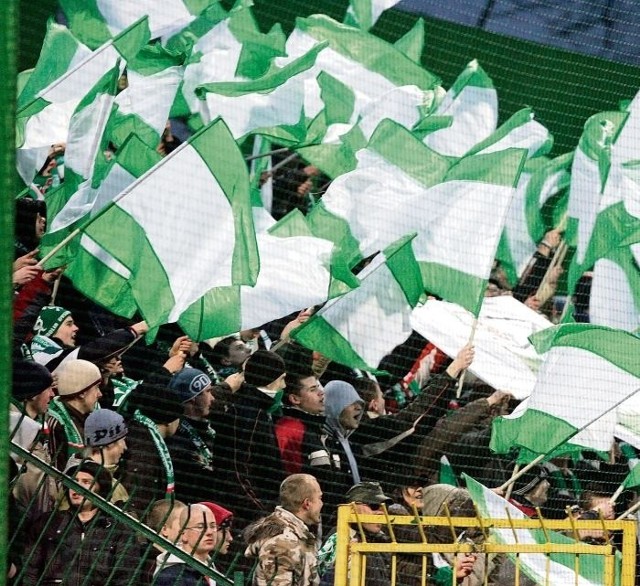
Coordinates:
(174, 572)
(66, 550)
(286, 550)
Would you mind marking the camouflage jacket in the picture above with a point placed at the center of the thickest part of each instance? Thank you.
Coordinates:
(286, 550)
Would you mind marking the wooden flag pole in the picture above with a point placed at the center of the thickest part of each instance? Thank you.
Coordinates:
(474, 326)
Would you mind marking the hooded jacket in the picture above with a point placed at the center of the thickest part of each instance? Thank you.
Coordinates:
(286, 550)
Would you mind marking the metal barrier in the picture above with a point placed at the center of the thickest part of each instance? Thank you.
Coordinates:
(618, 565)
(139, 528)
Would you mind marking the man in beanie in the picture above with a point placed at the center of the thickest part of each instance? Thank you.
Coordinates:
(249, 441)
(78, 395)
(55, 340)
(224, 519)
(69, 546)
(147, 466)
(104, 437)
(192, 447)
(32, 391)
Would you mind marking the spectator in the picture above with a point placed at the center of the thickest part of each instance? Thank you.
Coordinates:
(198, 539)
(73, 545)
(78, 395)
(282, 542)
(32, 391)
(367, 499)
(192, 447)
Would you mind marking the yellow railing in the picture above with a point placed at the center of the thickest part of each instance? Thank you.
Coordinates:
(617, 563)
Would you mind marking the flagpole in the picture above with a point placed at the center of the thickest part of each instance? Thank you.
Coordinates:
(273, 152)
(616, 494)
(474, 326)
(557, 260)
(629, 511)
(541, 457)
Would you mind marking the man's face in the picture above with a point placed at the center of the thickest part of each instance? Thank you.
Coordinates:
(85, 480)
(89, 399)
(370, 509)
(203, 402)
(171, 529)
(67, 331)
(40, 402)
(224, 538)
(114, 451)
(315, 505)
(199, 537)
(311, 397)
(378, 405)
(350, 416)
(238, 353)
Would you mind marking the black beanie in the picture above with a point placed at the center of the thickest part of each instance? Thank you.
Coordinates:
(157, 402)
(100, 474)
(262, 368)
(29, 380)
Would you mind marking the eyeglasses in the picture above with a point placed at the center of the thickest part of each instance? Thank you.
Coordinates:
(203, 527)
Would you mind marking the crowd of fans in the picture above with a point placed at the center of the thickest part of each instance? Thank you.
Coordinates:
(200, 441)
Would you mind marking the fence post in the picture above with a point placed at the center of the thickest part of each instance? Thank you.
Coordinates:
(8, 37)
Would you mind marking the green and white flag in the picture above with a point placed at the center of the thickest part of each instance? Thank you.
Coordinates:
(272, 105)
(614, 297)
(472, 104)
(541, 181)
(153, 79)
(177, 248)
(400, 186)
(224, 47)
(95, 22)
(365, 13)
(44, 119)
(344, 330)
(296, 272)
(367, 65)
(581, 361)
(542, 569)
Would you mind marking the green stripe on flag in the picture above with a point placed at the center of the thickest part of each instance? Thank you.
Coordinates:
(499, 168)
(223, 303)
(324, 224)
(86, 21)
(400, 148)
(402, 263)
(453, 285)
(618, 347)
(412, 43)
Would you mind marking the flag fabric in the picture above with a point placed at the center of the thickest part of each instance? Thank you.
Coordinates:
(176, 248)
(361, 327)
(365, 13)
(412, 43)
(542, 180)
(44, 119)
(367, 65)
(504, 357)
(224, 47)
(446, 204)
(614, 297)
(153, 79)
(581, 360)
(295, 273)
(472, 104)
(272, 105)
(541, 568)
(95, 22)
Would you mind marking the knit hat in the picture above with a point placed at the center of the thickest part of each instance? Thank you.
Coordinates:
(369, 493)
(223, 516)
(189, 383)
(29, 380)
(50, 319)
(100, 474)
(158, 403)
(104, 427)
(76, 377)
(262, 368)
(104, 349)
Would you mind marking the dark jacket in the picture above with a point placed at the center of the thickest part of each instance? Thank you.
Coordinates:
(254, 467)
(67, 550)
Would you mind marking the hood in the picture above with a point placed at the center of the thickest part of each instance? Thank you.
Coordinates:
(457, 500)
(338, 395)
(165, 561)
